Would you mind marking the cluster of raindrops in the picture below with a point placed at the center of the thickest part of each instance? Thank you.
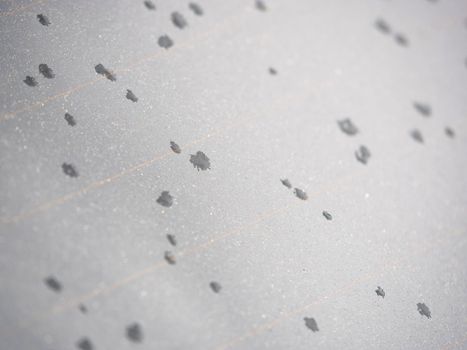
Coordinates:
(385, 28)
(44, 70)
(299, 193)
(362, 154)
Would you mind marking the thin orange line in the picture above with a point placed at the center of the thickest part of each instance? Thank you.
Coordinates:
(20, 8)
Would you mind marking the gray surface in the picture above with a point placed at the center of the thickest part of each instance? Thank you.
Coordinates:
(399, 222)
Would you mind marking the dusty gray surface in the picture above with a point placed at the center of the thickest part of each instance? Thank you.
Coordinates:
(85, 262)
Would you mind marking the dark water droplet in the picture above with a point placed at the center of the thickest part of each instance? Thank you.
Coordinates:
(215, 286)
(165, 199)
(178, 20)
(172, 239)
(131, 96)
(170, 258)
(383, 26)
(149, 5)
(200, 161)
(83, 308)
(134, 333)
(417, 135)
(347, 126)
(69, 170)
(401, 39)
(260, 5)
(30, 81)
(363, 154)
(70, 119)
(286, 183)
(100, 69)
(422, 108)
(272, 71)
(327, 215)
(53, 284)
(84, 344)
(311, 324)
(380, 292)
(165, 42)
(197, 10)
(301, 194)
(46, 71)
(175, 147)
(424, 310)
(43, 19)
(449, 132)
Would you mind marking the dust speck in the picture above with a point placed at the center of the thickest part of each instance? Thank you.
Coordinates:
(30, 81)
(70, 119)
(197, 10)
(363, 154)
(178, 20)
(70, 170)
(175, 147)
(165, 199)
(165, 41)
(200, 161)
(46, 71)
(172, 239)
(380, 292)
(215, 286)
(134, 333)
(131, 96)
(301, 194)
(449, 132)
(100, 69)
(84, 344)
(310, 323)
(347, 126)
(43, 19)
(424, 310)
(149, 5)
(417, 135)
(286, 183)
(260, 5)
(327, 215)
(53, 284)
(170, 258)
(422, 108)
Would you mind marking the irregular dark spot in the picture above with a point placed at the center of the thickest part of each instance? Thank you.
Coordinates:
(170, 258)
(53, 284)
(327, 215)
(165, 41)
(100, 69)
(301, 194)
(422, 108)
(165, 199)
(176, 148)
(83, 308)
(172, 240)
(272, 71)
(382, 26)
(197, 10)
(46, 71)
(363, 154)
(43, 19)
(417, 135)
(178, 20)
(200, 161)
(449, 132)
(286, 183)
(134, 333)
(69, 170)
(84, 344)
(311, 324)
(380, 292)
(424, 310)
(30, 81)
(131, 96)
(347, 126)
(149, 5)
(260, 5)
(215, 286)
(401, 39)
(70, 119)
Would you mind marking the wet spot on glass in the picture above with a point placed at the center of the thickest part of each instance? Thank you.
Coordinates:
(310, 323)
(327, 215)
(43, 19)
(424, 310)
(417, 135)
(347, 127)
(170, 258)
(131, 96)
(172, 239)
(165, 199)
(197, 10)
(149, 5)
(215, 286)
(200, 161)
(301, 194)
(286, 183)
(260, 5)
(178, 20)
(84, 344)
(175, 147)
(46, 71)
(134, 333)
(70, 119)
(449, 132)
(100, 69)
(272, 71)
(30, 81)
(380, 292)
(363, 154)
(401, 39)
(383, 26)
(53, 284)
(83, 308)
(422, 108)
(70, 170)
(165, 42)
